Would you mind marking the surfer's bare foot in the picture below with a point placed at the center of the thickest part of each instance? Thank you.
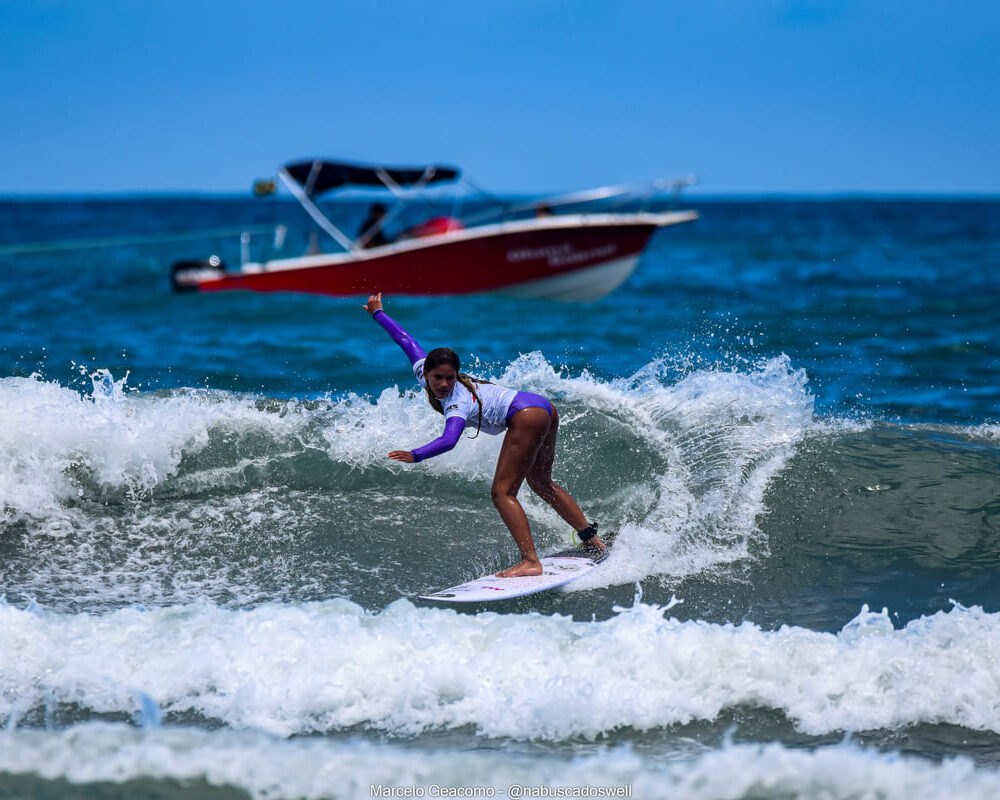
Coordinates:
(529, 566)
(595, 544)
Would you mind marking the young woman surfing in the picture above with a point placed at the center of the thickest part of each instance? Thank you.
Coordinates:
(531, 423)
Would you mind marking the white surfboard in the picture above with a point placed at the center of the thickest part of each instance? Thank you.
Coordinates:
(558, 569)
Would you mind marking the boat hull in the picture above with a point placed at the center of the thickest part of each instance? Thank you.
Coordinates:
(582, 257)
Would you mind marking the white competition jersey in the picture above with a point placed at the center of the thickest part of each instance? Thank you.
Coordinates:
(460, 403)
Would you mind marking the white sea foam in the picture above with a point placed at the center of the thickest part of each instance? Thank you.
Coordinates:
(124, 442)
(990, 431)
(267, 767)
(328, 666)
(239, 549)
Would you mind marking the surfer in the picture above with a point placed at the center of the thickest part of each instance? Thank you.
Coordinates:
(531, 423)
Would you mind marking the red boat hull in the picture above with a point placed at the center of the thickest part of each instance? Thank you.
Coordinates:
(581, 257)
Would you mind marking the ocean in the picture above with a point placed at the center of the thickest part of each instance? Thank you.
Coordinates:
(209, 568)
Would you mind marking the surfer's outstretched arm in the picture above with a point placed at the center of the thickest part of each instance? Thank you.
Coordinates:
(454, 425)
(453, 428)
(409, 345)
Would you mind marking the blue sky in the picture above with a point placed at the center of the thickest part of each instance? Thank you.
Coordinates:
(525, 95)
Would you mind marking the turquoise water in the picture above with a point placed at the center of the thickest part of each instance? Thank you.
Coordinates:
(791, 411)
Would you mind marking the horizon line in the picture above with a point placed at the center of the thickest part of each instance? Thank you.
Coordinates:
(847, 194)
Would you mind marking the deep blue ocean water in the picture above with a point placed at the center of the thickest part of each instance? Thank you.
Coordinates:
(791, 411)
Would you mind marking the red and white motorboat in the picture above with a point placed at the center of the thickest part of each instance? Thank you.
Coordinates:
(532, 250)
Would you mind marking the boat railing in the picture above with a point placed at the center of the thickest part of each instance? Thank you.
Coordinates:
(637, 195)
(469, 206)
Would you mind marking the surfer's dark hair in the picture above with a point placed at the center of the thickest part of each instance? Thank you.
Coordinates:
(440, 356)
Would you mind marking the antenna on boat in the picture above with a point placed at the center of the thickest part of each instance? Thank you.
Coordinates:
(677, 186)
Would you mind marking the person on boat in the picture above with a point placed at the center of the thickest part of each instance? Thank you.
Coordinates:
(374, 219)
(531, 423)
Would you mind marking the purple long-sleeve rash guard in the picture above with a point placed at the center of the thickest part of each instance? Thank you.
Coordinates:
(413, 351)
(453, 426)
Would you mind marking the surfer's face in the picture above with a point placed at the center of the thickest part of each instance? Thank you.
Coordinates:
(441, 380)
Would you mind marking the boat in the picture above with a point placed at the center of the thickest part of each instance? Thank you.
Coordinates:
(559, 248)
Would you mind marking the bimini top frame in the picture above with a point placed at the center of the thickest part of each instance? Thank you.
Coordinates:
(308, 179)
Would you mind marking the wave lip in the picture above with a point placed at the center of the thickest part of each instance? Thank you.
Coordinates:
(324, 667)
(722, 436)
(60, 445)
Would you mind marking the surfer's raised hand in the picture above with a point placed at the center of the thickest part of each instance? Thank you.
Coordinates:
(401, 455)
(374, 303)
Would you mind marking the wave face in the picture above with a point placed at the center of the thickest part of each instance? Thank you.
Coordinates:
(209, 568)
(723, 484)
(167, 496)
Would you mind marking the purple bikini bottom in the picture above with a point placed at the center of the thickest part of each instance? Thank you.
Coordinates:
(527, 400)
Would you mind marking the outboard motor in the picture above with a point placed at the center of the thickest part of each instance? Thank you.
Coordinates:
(186, 276)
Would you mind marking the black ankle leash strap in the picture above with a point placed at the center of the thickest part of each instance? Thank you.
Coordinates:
(587, 533)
